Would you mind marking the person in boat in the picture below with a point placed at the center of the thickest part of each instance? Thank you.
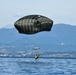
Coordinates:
(36, 56)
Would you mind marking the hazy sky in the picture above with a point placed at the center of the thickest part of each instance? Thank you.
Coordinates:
(60, 11)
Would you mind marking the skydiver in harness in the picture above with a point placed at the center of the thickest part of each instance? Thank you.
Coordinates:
(36, 56)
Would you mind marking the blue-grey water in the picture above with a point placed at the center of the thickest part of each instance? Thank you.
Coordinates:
(54, 60)
(41, 66)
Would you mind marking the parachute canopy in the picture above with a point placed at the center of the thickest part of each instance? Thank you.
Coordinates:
(32, 24)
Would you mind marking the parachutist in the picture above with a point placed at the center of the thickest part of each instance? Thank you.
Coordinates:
(36, 56)
(32, 24)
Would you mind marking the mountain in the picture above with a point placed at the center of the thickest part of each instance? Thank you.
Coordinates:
(61, 38)
(60, 33)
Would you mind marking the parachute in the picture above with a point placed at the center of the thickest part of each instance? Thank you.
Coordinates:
(32, 24)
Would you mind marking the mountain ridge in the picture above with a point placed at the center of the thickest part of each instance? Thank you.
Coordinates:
(58, 34)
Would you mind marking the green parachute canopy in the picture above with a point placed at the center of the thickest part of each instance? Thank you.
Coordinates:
(32, 24)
